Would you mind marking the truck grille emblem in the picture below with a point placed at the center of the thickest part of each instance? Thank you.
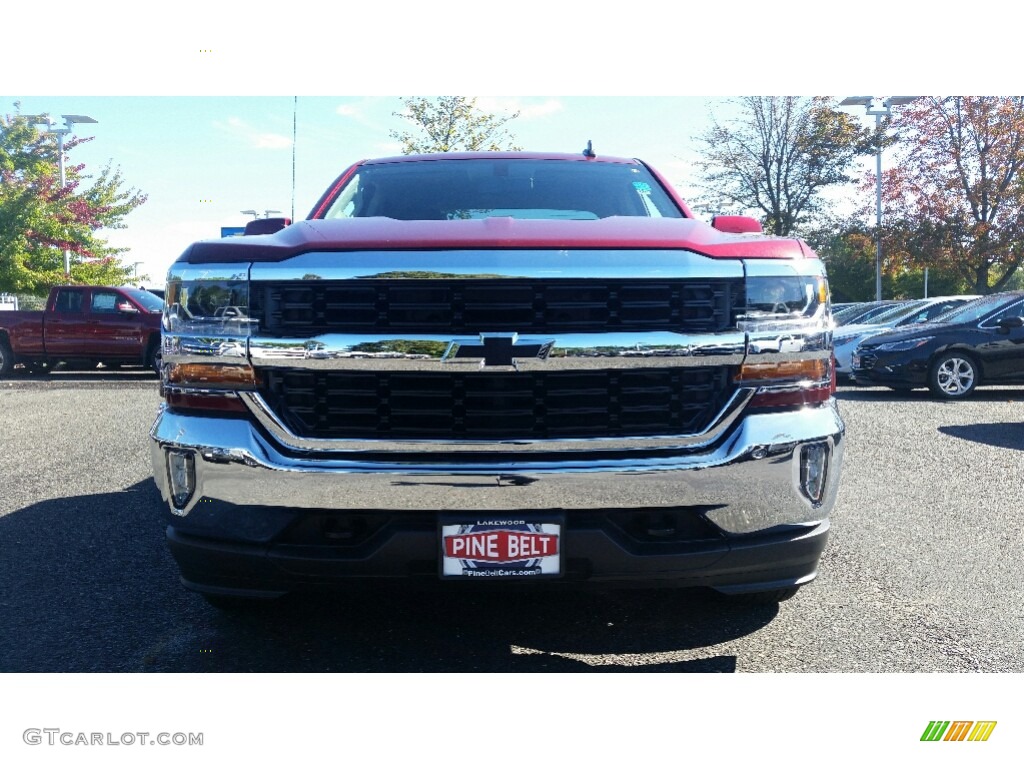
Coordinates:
(498, 349)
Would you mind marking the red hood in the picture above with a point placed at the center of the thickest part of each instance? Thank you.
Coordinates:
(504, 233)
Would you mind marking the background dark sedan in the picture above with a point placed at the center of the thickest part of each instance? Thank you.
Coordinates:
(981, 342)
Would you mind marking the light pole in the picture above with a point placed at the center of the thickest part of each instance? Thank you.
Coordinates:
(879, 107)
(69, 120)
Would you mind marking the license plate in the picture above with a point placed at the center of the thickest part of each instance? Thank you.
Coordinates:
(511, 547)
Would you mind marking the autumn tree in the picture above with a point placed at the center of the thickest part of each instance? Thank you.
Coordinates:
(778, 155)
(847, 247)
(451, 124)
(955, 197)
(40, 219)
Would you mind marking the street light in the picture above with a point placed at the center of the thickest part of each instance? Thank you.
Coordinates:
(879, 107)
(256, 214)
(69, 120)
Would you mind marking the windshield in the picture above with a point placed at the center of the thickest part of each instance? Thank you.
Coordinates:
(148, 301)
(862, 313)
(895, 313)
(521, 188)
(932, 313)
(974, 311)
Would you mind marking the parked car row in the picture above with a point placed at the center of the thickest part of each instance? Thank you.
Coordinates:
(860, 312)
(895, 315)
(979, 342)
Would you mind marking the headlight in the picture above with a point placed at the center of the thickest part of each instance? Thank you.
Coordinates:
(840, 340)
(217, 304)
(903, 346)
(781, 298)
(206, 331)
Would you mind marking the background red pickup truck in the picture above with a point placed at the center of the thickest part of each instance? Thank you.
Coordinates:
(84, 324)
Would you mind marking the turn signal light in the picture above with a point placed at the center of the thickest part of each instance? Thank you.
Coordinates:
(212, 376)
(789, 383)
(790, 370)
(205, 387)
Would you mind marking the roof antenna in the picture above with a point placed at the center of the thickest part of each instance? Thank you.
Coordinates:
(589, 151)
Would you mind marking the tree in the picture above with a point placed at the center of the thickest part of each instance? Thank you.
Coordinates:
(39, 219)
(847, 248)
(779, 155)
(957, 190)
(451, 124)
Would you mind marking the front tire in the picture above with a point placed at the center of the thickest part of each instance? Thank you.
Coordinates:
(954, 376)
(153, 357)
(6, 358)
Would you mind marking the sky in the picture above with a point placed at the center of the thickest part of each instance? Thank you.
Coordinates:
(203, 160)
(194, 104)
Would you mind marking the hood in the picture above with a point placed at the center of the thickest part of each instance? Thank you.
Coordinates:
(378, 233)
(906, 332)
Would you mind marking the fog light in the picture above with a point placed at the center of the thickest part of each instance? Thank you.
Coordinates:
(814, 470)
(181, 475)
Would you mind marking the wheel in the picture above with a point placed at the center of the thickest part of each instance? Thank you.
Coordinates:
(153, 357)
(954, 376)
(6, 358)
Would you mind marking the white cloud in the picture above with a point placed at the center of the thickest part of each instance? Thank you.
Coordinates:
(365, 112)
(271, 141)
(255, 138)
(347, 110)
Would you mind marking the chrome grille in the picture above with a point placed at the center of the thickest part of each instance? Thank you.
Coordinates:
(499, 405)
(471, 306)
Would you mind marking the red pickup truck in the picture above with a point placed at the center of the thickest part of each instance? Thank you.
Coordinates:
(84, 324)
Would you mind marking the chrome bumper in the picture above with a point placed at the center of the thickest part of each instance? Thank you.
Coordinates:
(750, 479)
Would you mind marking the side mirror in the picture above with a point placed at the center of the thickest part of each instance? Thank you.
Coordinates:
(737, 225)
(1008, 323)
(266, 226)
(126, 308)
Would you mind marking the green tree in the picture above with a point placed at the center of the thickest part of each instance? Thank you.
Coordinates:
(39, 219)
(778, 155)
(847, 248)
(451, 124)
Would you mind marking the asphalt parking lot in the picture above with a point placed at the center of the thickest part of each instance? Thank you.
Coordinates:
(922, 572)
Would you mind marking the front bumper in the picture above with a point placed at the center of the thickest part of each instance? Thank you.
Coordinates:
(872, 369)
(265, 519)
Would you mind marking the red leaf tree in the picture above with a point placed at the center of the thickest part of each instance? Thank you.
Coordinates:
(955, 195)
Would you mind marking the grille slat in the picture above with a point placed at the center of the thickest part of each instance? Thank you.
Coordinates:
(473, 306)
(483, 405)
